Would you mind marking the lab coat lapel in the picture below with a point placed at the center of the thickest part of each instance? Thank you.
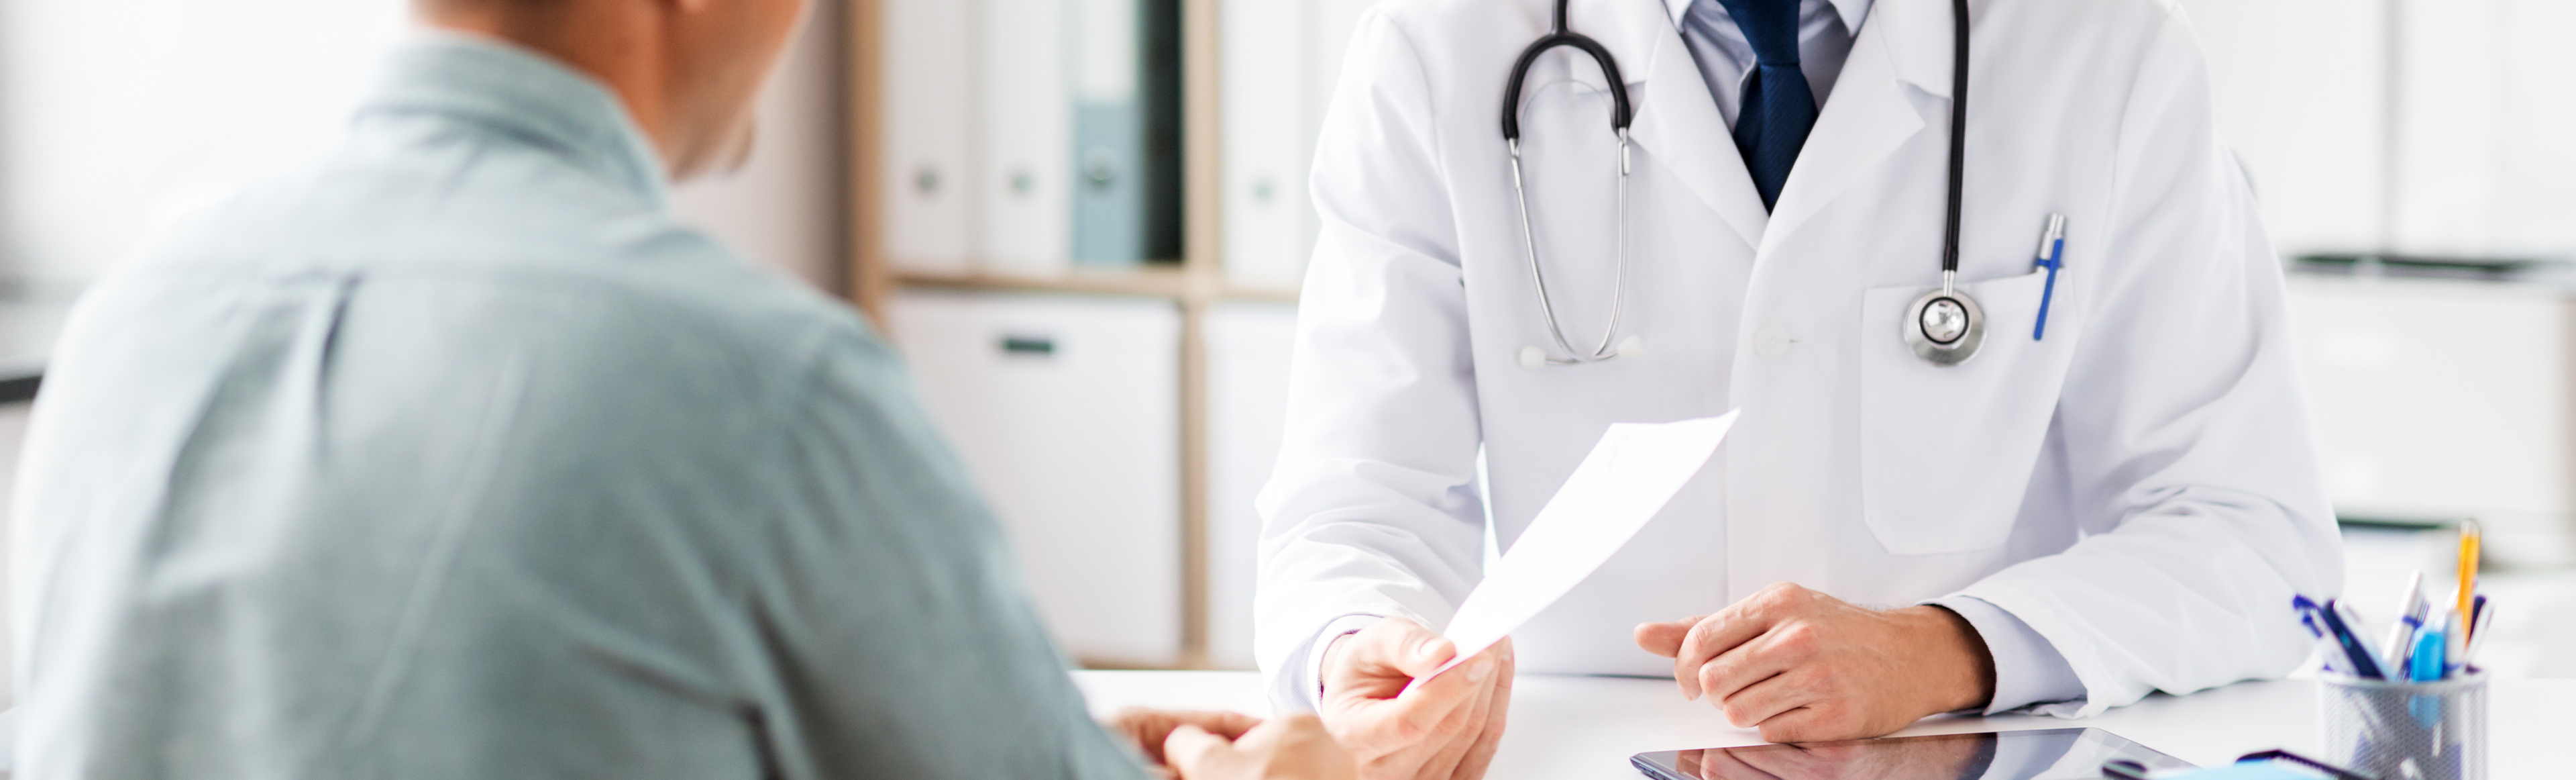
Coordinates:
(1903, 48)
(1677, 123)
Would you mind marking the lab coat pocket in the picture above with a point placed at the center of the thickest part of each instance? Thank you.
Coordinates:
(1947, 451)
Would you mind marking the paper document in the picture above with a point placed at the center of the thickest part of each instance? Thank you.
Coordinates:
(1634, 470)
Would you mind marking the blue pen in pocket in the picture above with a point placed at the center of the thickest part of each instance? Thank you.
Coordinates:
(2051, 256)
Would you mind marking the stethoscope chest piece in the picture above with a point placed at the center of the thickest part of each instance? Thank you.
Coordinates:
(1945, 326)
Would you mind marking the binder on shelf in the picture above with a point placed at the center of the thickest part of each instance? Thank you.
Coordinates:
(1269, 122)
(928, 177)
(1280, 62)
(1127, 132)
(1023, 216)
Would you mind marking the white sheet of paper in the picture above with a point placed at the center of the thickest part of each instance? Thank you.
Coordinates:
(1632, 472)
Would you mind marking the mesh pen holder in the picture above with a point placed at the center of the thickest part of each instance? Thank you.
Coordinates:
(2406, 731)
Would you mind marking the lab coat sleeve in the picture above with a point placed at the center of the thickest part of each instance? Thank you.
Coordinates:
(2180, 426)
(2028, 670)
(1374, 508)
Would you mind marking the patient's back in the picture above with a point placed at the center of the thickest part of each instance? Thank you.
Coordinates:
(455, 456)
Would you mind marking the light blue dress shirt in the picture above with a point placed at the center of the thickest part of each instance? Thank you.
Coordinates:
(455, 456)
(2028, 670)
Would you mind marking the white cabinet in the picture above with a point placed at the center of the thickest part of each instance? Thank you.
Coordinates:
(2435, 401)
(1247, 354)
(1064, 408)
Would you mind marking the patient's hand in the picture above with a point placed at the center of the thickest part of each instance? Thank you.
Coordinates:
(1148, 728)
(1290, 747)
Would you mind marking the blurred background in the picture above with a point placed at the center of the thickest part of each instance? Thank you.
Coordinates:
(1084, 222)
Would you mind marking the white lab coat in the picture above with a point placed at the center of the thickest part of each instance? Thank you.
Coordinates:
(2139, 487)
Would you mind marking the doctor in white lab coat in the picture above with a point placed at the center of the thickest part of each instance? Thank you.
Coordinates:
(2125, 504)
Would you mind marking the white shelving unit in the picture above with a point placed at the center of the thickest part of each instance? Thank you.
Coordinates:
(1138, 534)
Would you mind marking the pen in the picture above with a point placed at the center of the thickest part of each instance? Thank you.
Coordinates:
(2428, 657)
(2410, 618)
(2327, 650)
(2477, 633)
(2363, 664)
(2468, 566)
(2477, 614)
(2051, 255)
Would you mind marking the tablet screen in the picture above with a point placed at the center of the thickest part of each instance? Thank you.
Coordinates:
(2043, 754)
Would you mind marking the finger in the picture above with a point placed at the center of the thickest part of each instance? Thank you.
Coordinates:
(1665, 639)
(1810, 724)
(1762, 700)
(1481, 755)
(1224, 723)
(1146, 728)
(1380, 660)
(1194, 752)
(1714, 636)
(1434, 707)
(1784, 648)
(1738, 622)
(1459, 732)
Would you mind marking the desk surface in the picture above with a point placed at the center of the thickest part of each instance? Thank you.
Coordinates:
(1587, 727)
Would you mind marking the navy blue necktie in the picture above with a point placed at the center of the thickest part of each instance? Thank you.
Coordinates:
(1778, 108)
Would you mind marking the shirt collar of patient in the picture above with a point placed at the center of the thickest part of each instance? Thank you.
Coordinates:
(510, 90)
(1852, 11)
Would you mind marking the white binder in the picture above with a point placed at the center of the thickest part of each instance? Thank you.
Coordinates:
(1280, 62)
(930, 173)
(1025, 224)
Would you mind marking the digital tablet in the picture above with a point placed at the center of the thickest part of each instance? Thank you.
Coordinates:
(2042, 754)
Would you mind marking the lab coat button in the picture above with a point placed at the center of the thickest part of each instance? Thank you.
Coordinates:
(1771, 341)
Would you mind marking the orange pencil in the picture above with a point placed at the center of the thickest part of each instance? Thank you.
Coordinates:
(2468, 567)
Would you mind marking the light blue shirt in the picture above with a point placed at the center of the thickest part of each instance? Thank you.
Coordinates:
(2028, 670)
(455, 456)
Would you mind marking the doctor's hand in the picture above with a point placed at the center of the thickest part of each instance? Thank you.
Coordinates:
(1807, 667)
(1444, 729)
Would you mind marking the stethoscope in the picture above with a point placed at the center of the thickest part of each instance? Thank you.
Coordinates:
(1943, 326)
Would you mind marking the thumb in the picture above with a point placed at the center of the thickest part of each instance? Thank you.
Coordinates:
(1191, 750)
(1418, 651)
(1665, 639)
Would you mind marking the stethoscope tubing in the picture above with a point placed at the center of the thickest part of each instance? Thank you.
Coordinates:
(1622, 114)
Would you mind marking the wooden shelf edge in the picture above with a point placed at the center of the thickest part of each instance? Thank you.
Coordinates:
(1146, 282)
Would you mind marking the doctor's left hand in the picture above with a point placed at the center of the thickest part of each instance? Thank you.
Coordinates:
(1807, 667)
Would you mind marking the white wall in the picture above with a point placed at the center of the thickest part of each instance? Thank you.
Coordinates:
(2475, 158)
(117, 114)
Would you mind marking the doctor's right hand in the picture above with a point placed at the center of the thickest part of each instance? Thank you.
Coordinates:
(1444, 729)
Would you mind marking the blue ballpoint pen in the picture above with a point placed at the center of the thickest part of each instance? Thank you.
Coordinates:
(2051, 255)
(2365, 663)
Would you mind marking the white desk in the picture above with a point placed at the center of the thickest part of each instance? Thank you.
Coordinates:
(1587, 727)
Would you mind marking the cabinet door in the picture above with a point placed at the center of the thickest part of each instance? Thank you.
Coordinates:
(1247, 347)
(1067, 411)
(929, 173)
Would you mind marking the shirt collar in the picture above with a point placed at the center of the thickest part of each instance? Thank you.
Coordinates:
(1852, 11)
(518, 93)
